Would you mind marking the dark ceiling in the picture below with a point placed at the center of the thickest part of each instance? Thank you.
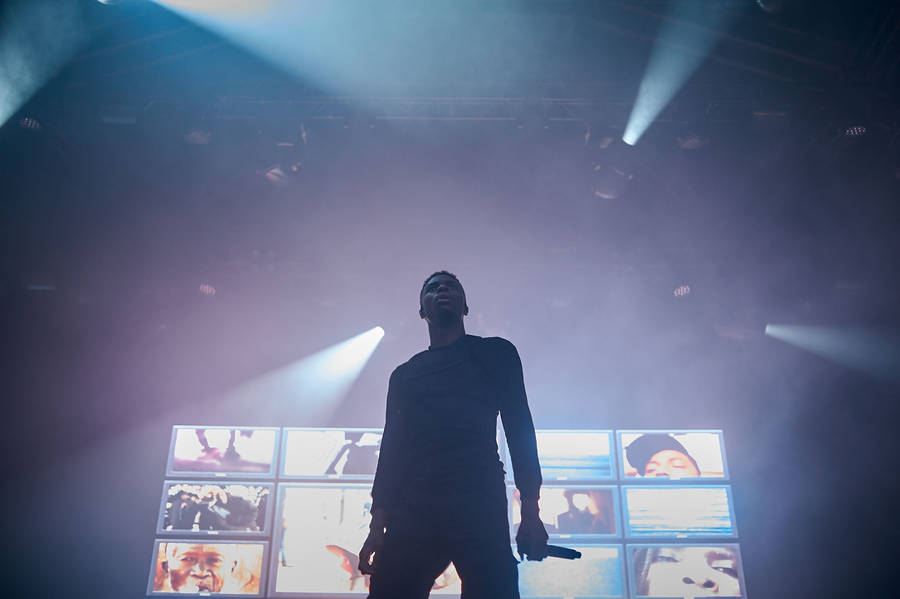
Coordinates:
(827, 56)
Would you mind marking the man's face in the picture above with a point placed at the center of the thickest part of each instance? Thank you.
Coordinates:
(196, 568)
(671, 463)
(694, 572)
(443, 299)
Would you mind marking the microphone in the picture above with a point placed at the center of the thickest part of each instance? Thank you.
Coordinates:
(562, 552)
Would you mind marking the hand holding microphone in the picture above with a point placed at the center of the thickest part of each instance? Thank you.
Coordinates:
(531, 538)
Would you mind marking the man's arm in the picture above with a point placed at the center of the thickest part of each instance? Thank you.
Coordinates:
(531, 537)
(391, 454)
(384, 488)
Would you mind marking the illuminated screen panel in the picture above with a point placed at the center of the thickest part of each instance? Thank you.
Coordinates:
(599, 573)
(206, 567)
(319, 529)
(696, 570)
(573, 511)
(350, 454)
(681, 512)
(215, 508)
(221, 451)
(575, 455)
(672, 455)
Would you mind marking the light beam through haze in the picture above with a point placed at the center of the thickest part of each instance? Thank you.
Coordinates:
(873, 352)
(685, 39)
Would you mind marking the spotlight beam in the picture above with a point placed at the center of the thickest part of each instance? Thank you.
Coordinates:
(318, 41)
(667, 71)
(360, 49)
(314, 385)
(36, 39)
(869, 351)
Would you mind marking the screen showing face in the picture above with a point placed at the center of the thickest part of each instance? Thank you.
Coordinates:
(212, 507)
(331, 453)
(575, 455)
(193, 567)
(573, 510)
(672, 455)
(597, 574)
(322, 530)
(686, 570)
(699, 511)
(223, 451)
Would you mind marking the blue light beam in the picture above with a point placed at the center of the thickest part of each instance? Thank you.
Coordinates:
(876, 353)
(315, 384)
(319, 41)
(37, 38)
(685, 39)
(361, 48)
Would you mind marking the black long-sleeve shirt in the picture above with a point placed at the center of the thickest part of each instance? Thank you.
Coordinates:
(441, 422)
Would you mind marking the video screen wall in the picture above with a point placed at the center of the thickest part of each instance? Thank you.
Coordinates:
(272, 512)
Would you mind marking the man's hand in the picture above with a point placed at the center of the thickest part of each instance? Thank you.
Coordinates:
(373, 543)
(531, 538)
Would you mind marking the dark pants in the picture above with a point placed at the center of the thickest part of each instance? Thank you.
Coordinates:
(420, 543)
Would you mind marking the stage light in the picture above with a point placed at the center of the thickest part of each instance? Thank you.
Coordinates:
(609, 182)
(682, 290)
(684, 41)
(309, 39)
(280, 174)
(38, 37)
(855, 131)
(315, 384)
(871, 351)
(692, 141)
(198, 137)
(30, 123)
(771, 6)
(275, 175)
(347, 359)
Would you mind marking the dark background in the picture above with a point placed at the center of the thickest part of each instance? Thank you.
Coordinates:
(480, 140)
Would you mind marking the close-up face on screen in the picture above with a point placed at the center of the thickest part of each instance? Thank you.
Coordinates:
(239, 451)
(331, 453)
(686, 571)
(188, 567)
(671, 455)
(213, 508)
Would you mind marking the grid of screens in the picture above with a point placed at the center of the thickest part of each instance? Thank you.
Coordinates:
(269, 512)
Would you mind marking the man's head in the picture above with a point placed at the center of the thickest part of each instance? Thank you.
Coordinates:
(656, 454)
(442, 298)
(193, 568)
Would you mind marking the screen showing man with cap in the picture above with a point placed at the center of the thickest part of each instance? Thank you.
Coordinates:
(659, 454)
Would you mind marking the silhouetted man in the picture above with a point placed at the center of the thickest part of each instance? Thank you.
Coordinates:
(439, 493)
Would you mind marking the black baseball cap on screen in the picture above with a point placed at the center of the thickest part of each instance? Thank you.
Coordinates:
(641, 450)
